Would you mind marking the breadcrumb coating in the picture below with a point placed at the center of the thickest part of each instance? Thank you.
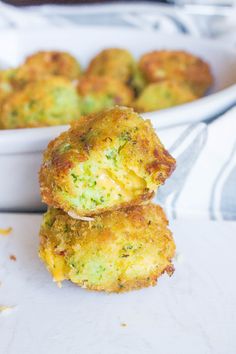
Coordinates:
(113, 62)
(105, 161)
(118, 251)
(179, 66)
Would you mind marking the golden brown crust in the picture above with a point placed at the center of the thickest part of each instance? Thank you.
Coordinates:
(179, 66)
(105, 86)
(46, 63)
(141, 155)
(163, 94)
(113, 62)
(116, 252)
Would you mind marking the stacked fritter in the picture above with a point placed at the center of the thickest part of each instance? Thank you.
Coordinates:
(101, 231)
(50, 88)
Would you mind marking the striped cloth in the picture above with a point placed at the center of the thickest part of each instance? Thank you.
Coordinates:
(204, 183)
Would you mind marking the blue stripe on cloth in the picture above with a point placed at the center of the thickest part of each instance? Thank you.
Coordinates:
(221, 113)
(185, 159)
(225, 208)
(185, 162)
(179, 25)
(228, 200)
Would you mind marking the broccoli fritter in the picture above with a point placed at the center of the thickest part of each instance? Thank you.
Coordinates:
(117, 251)
(179, 66)
(162, 95)
(101, 92)
(106, 161)
(45, 102)
(6, 87)
(44, 63)
(113, 62)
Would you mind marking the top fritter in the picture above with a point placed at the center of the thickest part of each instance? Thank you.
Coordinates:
(105, 161)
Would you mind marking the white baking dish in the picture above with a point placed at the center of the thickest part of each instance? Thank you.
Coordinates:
(21, 150)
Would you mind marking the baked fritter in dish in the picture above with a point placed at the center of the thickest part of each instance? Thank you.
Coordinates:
(106, 161)
(102, 92)
(113, 62)
(164, 94)
(44, 63)
(160, 79)
(6, 87)
(50, 101)
(117, 251)
(179, 66)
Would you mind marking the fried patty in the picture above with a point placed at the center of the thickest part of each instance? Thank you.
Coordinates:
(164, 94)
(102, 92)
(117, 251)
(106, 161)
(50, 101)
(179, 66)
(113, 62)
(45, 63)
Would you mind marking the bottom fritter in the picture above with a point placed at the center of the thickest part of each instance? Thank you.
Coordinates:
(116, 251)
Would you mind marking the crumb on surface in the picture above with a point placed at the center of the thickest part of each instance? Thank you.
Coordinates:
(59, 284)
(6, 309)
(12, 257)
(123, 324)
(5, 232)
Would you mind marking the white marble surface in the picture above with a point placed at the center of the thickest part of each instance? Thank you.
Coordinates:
(194, 312)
